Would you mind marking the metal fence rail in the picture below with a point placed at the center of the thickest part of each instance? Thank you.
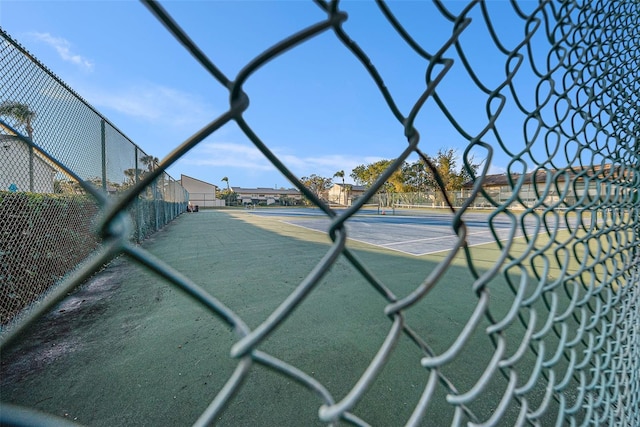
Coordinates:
(62, 163)
(582, 133)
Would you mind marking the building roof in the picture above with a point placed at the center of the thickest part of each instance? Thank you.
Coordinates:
(541, 175)
(266, 190)
(182, 176)
(352, 186)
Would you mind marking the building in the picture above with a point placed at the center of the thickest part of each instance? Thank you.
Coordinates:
(23, 168)
(268, 196)
(344, 194)
(201, 193)
(564, 187)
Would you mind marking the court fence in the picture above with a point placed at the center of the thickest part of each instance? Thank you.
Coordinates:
(561, 188)
(579, 132)
(61, 164)
(205, 200)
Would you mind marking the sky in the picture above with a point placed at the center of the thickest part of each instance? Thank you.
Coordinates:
(315, 106)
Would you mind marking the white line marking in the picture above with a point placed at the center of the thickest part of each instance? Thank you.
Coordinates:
(386, 245)
(452, 235)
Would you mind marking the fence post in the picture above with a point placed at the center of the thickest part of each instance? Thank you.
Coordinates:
(31, 167)
(154, 194)
(103, 141)
(138, 205)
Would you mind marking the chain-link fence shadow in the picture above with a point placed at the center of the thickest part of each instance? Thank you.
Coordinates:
(575, 177)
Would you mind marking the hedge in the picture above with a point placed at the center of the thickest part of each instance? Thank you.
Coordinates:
(42, 238)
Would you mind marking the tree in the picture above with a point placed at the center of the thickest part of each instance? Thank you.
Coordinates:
(340, 174)
(21, 113)
(467, 175)
(367, 175)
(228, 195)
(445, 165)
(318, 185)
(130, 174)
(150, 162)
(67, 186)
(153, 192)
(347, 193)
(417, 176)
(226, 179)
(452, 178)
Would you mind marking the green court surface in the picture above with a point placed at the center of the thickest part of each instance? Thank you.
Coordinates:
(130, 349)
(410, 232)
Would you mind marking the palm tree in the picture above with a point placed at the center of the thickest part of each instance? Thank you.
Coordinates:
(340, 174)
(150, 162)
(227, 196)
(20, 113)
(132, 174)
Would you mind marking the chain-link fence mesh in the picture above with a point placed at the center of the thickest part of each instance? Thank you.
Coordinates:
(574, 176)
(61, 163)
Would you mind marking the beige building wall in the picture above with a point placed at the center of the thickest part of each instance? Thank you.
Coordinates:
(15, 167)
(546, 191)
(201, 193)
(267, 196)
(344, 194)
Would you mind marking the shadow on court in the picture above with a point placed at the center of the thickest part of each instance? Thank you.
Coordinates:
(414, 232)
(130, 349)
(409, 235)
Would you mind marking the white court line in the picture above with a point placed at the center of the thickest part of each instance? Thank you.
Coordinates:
(386, 246)
(436, 238)
(469, 246)
(422, 253)
(441, 250)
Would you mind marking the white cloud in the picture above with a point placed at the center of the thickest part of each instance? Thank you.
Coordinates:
(248, 157)
(63, 47)
(324, 165)
(228, 154)
(154, 103)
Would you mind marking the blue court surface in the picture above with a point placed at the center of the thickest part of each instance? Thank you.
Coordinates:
(416, 235)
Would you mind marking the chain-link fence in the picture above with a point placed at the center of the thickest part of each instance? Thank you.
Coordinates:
(581, 138)
(502, 189)
(61, 164)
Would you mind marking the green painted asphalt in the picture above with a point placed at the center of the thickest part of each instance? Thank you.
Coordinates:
(128, 348)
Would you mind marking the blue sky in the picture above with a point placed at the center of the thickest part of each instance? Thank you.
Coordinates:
(315, 106)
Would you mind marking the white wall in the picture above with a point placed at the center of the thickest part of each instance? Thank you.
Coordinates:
(14, 167)
(201, 193)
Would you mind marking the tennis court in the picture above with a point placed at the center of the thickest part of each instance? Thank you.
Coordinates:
(415, 232)
(128, 348)
(260, 317)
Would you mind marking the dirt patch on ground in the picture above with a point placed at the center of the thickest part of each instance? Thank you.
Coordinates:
(59, 332)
